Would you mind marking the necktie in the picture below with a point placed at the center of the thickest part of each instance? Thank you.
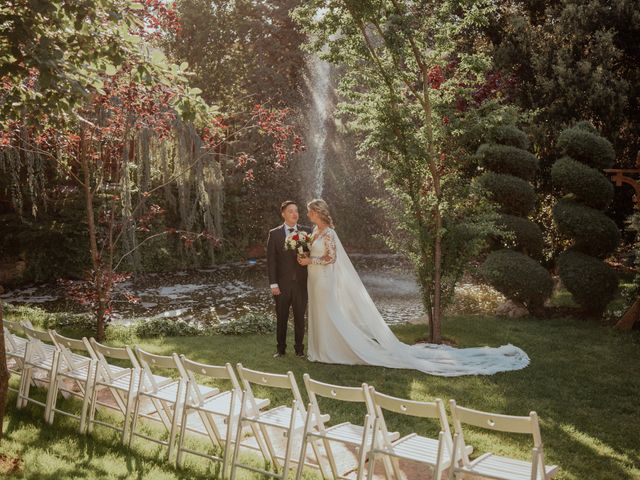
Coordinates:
(291, 229)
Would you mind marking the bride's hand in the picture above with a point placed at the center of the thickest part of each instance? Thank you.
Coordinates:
(304, 261)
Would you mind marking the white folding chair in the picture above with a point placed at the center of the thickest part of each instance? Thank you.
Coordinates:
(165, 394)
(288, 419)
(15, 347)
(120, 382)
(40, 356)
(494, 466)
(204, 405)
(437, 454)
(358, 436)
(73, 369)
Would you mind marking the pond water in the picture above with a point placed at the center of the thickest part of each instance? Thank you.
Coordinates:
(231, 289)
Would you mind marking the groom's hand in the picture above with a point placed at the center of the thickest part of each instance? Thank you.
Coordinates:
(275, 291)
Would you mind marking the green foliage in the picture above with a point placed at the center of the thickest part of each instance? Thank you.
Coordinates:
(249, 323)
(591, 230)
(405, 112)
(586, 147)
(591, 281)
(587, 184)
(165, 327)
(509, 135)
(526, 235)
(67, 49)
(514, 195)
(518, 277)
(508, 160)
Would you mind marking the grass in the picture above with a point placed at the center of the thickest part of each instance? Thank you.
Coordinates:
(583, 381)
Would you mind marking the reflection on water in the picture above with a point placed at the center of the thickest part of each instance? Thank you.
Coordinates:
(231, 289)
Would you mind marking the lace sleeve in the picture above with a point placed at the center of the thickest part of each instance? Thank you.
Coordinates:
(329, 255)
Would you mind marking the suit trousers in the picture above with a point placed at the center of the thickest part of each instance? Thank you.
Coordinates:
(294, 296)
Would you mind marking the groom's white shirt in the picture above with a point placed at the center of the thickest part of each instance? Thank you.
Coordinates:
(286, 232)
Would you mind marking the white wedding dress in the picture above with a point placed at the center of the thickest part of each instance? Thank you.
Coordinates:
(345, 326)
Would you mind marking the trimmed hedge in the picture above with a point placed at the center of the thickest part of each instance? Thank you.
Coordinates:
(592, 282)
(528, 236)
(587, 184)
(518, 277)
(509, 160)
(587, 147)
(592, 231)
(509, 135)
(514, 195)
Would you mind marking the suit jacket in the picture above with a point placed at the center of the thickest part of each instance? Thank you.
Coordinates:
(282, 265)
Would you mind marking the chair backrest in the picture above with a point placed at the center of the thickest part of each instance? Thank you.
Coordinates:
(148, 361)
(216, 372)
(117, 353)
(412, 408)
(11, 342)
(34, 334)
(14, 327)
(68, 345)
(104, 352)
(286, 381)
(336, 392)
(497, 422)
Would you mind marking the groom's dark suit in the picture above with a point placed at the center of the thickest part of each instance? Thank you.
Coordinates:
(291, 278)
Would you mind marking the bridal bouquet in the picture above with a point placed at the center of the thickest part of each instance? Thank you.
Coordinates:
(299, 241)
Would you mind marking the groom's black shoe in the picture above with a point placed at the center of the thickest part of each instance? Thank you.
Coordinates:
(278, 355)
(300, 354)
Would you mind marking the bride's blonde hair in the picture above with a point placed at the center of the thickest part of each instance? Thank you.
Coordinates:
(322, 209)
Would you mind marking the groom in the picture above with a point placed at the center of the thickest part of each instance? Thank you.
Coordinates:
(288, 280)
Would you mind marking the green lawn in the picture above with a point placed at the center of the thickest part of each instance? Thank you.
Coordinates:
(583, 381)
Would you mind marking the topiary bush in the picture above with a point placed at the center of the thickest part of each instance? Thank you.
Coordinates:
(514, 195)
(580, 218)
(514, 272)
(592, 231)
(587, 147)
(591, 282)
(527, 236)
(508, 160)
(586, 184)
(518, 277)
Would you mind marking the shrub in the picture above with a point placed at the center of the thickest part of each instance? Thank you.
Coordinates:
(509, 135)
(591, 230)
(165, 327)
(527, 235)
(592, 282)
(509, 160)
(514, 195)
(518, 277)
(249, 323)
(588, 185)
(587, 147)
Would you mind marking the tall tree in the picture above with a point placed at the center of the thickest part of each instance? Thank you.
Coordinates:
(416, 100)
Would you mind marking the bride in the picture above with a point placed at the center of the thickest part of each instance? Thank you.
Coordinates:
(345, 326)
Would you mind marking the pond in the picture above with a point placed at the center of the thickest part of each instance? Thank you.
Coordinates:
(228, 290)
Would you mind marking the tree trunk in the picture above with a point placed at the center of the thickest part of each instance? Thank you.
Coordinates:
(93, 242)
(630, 317)
(4, 371)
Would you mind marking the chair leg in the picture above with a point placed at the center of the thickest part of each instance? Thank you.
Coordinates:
(126, 428)
(289, 447)
(134, 420)
(23, 390)
(236, 450)
(303, 450)
(372, 465)
(88, 392)
(52, 398)
(183, 431)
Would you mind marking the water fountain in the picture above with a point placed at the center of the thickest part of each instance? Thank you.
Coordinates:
(319, 85)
